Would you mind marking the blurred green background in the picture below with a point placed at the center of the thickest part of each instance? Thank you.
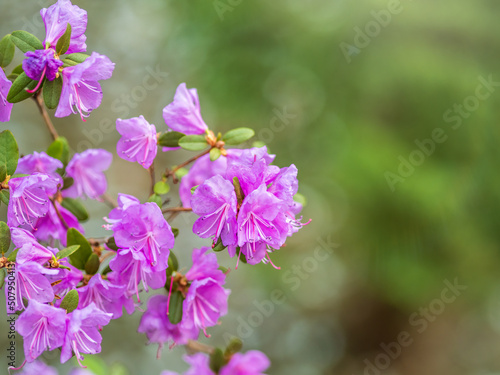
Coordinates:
(344, 90)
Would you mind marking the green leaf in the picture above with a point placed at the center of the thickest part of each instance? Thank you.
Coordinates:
(76, 58)
(193, 142)
(17, 92)
(4, 237)
(4, 196)
(214, 154)
(258, 144)
(70, 301)
(64, 253)
(217, 360)
(234, 346)
(111, 244)
(239, 191)
(242, 256)
(94, 364)
(170, 139)
(193, 189)
(161, 188)
(9, 154)
(18, 69)
(63, 42)
(223, 269)
(175, 231)
(16, 175)
(299, 198)
(238, 136)
(26, 41)
(175, 307)
(12, 256)
(181, 172)
(92, 264)
(173, 263)
(3, 274)
(156, 199)
(118, 369)
(219, 246)
(7, 50)
(106, 270)
(52, 92)
(59, 149)
(76, 208)
(67, 182)
(78, 258)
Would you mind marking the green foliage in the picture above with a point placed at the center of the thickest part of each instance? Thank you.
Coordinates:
(4, 237)
(175, 307)
(76, 208)
(7, 50)
(170, 139)
(79, 258)
(63, 42)
(70, 301)
(193, 142)
(18, 91)
(52, 92)
(64, 253)
(237, 136)
(9, 154)
(26, 41)
(59, 149)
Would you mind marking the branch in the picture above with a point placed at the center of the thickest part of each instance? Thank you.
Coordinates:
(63, 222)
(177, 209)
(196, 346)
(39, 103)
(152, 175)
(109, 201)
(182, 165)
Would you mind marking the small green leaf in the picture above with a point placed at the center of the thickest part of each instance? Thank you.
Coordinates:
(64, 253)
(59, 149)
(79, 257)
(94, 364)
(16, 175)
(193, 142)
(258, 144)
(76, 58)
(239, 191)
(4, 196)
(173, 263)
(9, 154)
(92, 264)
(238, 136)
(12, 256)
(242, 256)
(70, 301)
(170, 139)
(299, 198)
(67, 182)
(111, 244)
(193, 189)
(18, 69)
(223, 269)
(175, 307)
(234, 346)
(3, 274)
(52, 92)
(181, 172)
(76, 208)
(63, 42)
(175, 231)
(161, 188)
(7, 50)
(17, 92)
(118, 369)
(214, 154)
(219, 246)
(26, 41)
(106, 270)
(156, 199)
(217, 360)
(4, 237)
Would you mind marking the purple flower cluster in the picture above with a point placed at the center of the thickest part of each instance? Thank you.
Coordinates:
(264, 215)
(250, 363)
(205, 301)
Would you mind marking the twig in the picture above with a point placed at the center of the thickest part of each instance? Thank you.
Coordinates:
(199, 347)
(39, 102)
(63, 222)
(182, 165)
(109, 201)
(152, 175)
(176, 209)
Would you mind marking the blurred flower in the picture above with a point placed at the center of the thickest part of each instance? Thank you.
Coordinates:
(39, 162)
(138, 141)
(5, 106)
